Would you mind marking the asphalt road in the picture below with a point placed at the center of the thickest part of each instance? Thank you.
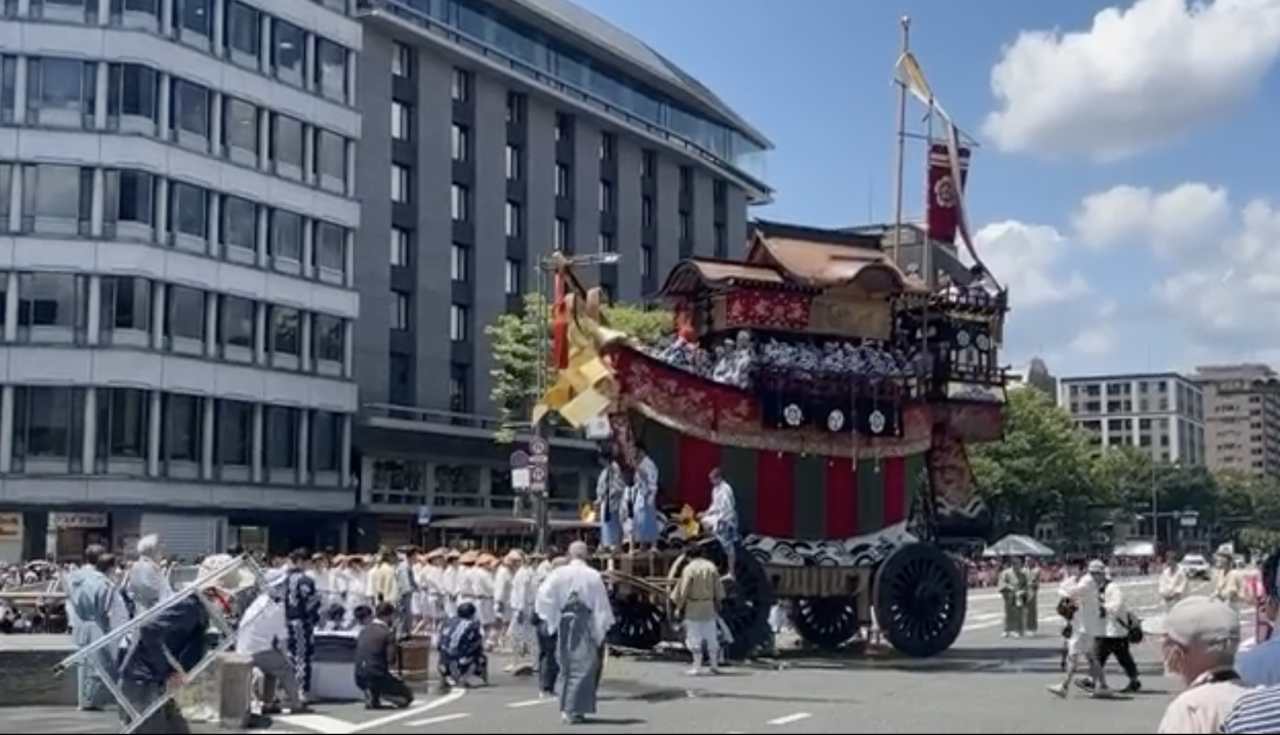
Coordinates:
(985, 684)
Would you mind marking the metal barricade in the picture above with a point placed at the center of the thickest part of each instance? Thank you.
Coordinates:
(87, 656)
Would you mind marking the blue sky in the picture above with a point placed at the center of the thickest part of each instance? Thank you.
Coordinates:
(1121, 189)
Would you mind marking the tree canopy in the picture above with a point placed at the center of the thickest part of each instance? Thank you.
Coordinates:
(1046, 469)
(521, 347)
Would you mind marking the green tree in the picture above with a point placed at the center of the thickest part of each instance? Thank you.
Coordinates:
(1041, 470)
(521, 345)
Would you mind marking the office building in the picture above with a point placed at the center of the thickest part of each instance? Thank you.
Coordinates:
(1241, 418)
(1160, 413)
(177, 220)
(509, 130)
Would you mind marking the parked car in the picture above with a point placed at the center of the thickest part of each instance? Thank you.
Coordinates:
(1195, 566)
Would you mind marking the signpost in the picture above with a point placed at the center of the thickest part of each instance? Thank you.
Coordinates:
(538, 457)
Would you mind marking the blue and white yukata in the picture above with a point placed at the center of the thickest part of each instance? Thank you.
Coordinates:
(610, 492)
(89, 606)
(461, 652)
(645, 526)
(302, 613)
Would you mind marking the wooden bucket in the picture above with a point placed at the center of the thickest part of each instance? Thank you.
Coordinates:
(415, 658)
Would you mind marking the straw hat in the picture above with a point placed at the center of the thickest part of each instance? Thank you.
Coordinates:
(487, 560)
(468, 558)
(436, 553)
(453, 554)
(513, 557)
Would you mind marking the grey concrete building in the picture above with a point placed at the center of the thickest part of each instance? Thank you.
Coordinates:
(496, 131)
(177, 224)
(1241, 417)
(1160, 413)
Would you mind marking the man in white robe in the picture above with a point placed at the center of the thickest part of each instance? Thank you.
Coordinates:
(521, 633)
(721, 517)
(1173, 583)
(574, 603)
(502, 577)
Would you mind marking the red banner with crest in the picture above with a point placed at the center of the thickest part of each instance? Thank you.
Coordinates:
(943, 215)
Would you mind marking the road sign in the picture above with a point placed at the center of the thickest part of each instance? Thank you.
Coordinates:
(538, 450)
(538, 478)
(424, 515)
(519, 459)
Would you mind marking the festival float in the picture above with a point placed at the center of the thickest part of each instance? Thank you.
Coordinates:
(837, 390)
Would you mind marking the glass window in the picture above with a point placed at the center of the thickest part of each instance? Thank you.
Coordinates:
(513, 219)
(331, 160)
(513, 163)
(286, 235)
(284, 331)
(461, 143)
(8, 88)
(49, 300)
(180, 440)
(511, 277)
(6, 191)
(195, 16)
(329, 341)
(331, 69)
(562, 235)
(244, 33)
(282, 437)
(47, 423)
(190, 213)
(236, 323)
(399, 247)
(126, 304)
(134, 92)
(233, 440)
(240, 128)
(399, 184)
(401, 124)
(460, 203)
(326, 441)
(141, 7)
(239, 223)
(184, 317)
(57, 198)
(605, 243)
(61, 92)
(331, 247)
(459, 328)
(606, 197)
(287, 52)
(563, 183)
(191, 109)
(287, 144)
(458, 261)
(461, 85)
(65, 11)
(402, 60)
(131, 199)
(399, 310)
(123, 425)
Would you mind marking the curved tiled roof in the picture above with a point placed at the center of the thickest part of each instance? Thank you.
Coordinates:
(596, 30)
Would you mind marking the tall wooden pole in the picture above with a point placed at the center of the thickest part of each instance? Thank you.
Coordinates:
(900, 163)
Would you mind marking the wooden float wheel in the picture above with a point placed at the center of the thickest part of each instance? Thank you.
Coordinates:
(826, 622)
(920, 600)
(638, 624)
(748, 599)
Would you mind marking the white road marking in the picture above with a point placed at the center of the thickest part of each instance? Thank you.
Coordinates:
(529, 703)
(447, 699)
(439, 719)
(318, 723)
(798, 716)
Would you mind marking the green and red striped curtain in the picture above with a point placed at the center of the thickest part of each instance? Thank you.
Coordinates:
(784, 495)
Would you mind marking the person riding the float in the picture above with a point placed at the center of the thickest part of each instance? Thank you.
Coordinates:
(721, 517)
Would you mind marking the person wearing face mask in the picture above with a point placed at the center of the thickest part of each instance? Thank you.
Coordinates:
(1200, 641)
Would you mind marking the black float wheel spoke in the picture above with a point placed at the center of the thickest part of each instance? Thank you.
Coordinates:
(920, 600)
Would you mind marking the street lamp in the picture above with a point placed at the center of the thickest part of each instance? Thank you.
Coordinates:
(554, 262)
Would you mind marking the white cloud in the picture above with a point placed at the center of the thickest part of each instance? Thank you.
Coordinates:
(1137, 79)
(1175, 221)
(1031, 261)
(1099, 337)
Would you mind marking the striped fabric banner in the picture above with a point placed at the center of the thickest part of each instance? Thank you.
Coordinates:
(804, 497)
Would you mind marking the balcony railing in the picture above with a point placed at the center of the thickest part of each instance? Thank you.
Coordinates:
(413, 418)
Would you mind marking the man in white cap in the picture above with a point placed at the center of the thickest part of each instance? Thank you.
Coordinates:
(1087, 624)
(1200, 641)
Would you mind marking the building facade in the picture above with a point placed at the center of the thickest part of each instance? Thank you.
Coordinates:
(1159, 413)
(510, 130)
(1242, 418)
(177, 236)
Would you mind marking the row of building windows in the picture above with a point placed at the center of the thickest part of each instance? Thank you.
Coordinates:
(536, 55)
(129, 205)
(121, 311)
(138, 99)
(150, 433)
(229, 30)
